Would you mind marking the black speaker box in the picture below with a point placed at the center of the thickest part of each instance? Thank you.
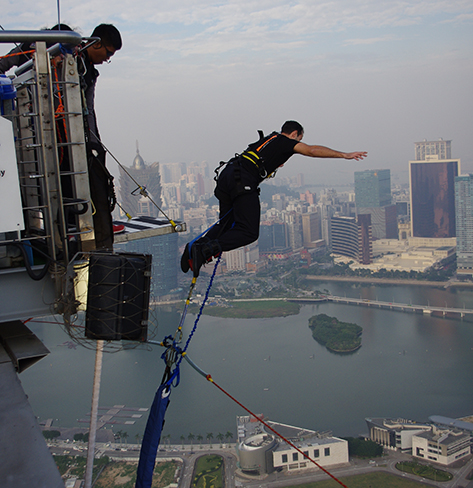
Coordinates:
(118, 297)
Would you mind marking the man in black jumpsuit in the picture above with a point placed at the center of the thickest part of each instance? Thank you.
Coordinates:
(238, 192)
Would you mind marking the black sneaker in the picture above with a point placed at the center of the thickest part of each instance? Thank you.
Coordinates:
(202, 253)
(198, 259)
(185, 259)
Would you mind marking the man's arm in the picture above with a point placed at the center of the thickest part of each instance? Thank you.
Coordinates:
(326, 152)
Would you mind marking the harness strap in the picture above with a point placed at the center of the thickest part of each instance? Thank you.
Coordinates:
(257, 161)
(251, 154)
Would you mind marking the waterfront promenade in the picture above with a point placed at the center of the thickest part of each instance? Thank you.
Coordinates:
(449, 312)
(399, 307)
(391, 281)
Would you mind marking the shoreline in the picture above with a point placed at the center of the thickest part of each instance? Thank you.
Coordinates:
(391, 281)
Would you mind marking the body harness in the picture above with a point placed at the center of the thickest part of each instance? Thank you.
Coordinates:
(252, 154)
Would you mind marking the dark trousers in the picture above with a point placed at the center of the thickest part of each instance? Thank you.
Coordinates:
(99, 181)
(238, 194)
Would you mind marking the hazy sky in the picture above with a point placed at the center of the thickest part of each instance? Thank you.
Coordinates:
(196, 79)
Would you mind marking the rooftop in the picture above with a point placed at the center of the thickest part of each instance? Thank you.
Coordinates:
(250, 427)
(453, 423)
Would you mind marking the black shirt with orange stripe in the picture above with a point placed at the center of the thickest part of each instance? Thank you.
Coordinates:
(274, 150)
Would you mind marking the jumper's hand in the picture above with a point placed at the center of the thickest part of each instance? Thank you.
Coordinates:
(359, 155)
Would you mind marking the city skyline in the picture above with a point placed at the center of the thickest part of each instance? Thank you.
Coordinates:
(358, 76)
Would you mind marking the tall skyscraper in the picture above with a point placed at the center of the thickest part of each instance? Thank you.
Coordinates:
(310, 229)
(373, 188)
(464, 223)
(432, 195)
(164, 250)
(293, 222)
(147, 176)
(273, 237)
(440, 148)
(373, 197)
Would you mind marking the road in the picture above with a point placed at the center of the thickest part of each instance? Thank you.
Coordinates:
(188, 455)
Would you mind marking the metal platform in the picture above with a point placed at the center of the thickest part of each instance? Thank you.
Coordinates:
(142, 227)
(22, 297)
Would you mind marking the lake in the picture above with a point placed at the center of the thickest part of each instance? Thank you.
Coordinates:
(410, 366)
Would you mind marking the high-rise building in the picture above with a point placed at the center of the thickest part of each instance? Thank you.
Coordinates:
(372, 188)
(383, 221)
(310, 198)
(326, 213)
(293, 222)
(147, 176)
(273, 237)
(311, 229)
(164, 250)
(440, 148)
(236, 259)
(464, 223)
(351, 237)
(165, 261)
(432, 195)
(373, 197)
(173, 172)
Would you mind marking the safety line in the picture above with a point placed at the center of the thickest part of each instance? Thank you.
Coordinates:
(208, 377)
(128, 216)
(183, 353)
(173, 349)
(19, 53)
(178, 334)
(142, 189)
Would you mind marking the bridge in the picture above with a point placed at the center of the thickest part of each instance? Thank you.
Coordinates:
(399, 307)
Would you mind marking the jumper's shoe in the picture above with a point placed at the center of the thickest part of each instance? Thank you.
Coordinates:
(202, 253)
(185, 266)
(118, 228)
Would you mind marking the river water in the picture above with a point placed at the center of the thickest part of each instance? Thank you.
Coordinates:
(409, 366)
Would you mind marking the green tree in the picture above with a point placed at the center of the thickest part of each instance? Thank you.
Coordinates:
(363, 448)
(228, 436)
(191, 438)
(200, 439)
(182, 440)
(51, 434)
(209, 436)
(220, 437)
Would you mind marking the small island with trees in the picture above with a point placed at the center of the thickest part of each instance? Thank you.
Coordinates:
(336, 336)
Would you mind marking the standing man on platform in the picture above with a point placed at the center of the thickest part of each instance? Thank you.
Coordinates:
(101, 181)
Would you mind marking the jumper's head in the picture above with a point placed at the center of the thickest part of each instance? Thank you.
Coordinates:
(293, 130)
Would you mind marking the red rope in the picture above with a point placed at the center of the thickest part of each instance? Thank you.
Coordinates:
(40, 321)
(59, 113)
(209, 378)
(19, 53)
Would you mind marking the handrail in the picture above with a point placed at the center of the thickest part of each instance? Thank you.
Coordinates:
(52, 37)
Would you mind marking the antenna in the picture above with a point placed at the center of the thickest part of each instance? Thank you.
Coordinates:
(59, 14)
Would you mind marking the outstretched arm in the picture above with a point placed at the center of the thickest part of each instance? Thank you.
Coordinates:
(326, 152)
